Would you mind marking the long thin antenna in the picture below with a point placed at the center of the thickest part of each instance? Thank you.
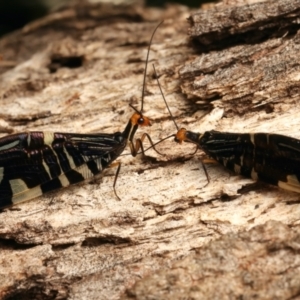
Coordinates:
(172, 117)
(152, 146)
(134, 108)
(146, 65)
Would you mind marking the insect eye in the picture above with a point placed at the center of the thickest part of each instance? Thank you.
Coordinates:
(141, 121)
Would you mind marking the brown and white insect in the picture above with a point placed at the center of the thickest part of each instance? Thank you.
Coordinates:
(269, 157)
(33, 163)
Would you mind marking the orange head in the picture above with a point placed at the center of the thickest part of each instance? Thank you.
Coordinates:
(140, 120)
(180, 136)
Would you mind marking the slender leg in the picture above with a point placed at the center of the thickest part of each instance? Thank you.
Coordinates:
(113, 165)
(134, 148)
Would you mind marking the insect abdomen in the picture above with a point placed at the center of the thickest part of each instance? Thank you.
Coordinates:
(234, 151)
(272, 158)
(34, 163)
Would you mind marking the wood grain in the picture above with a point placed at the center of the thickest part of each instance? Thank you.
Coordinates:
(228, 68)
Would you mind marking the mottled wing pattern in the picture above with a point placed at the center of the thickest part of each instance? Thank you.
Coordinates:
(34, 163)
(272, 158)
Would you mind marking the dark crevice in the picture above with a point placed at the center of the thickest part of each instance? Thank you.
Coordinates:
(223, 40)
(62, 246)
(100, 241)
(71, 62)
(36, 293)
(11, 244)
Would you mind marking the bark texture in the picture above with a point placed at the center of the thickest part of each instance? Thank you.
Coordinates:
(231, 67)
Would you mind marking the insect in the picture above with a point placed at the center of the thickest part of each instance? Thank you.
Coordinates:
(269, 157)
(33, 163)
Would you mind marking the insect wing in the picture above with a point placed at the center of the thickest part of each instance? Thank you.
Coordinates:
(272, 158)
(281, 165)
(34, 163)
(234, 151)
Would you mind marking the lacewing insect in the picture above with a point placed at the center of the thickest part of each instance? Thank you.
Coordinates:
(268, 157)
(33, 163)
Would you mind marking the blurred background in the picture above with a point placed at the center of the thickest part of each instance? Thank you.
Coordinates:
(15, 14)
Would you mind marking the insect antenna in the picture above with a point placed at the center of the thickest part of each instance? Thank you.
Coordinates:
(152, 146)
(145, 71)
(138, 119)
(180, 135)
(162, 94)
(146, 66)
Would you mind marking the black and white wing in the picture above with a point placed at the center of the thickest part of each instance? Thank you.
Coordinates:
(34, 163)
(272, 158)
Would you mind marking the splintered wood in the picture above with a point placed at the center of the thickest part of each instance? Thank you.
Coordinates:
(231, 67)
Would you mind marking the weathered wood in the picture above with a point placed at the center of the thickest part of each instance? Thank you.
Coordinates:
(78, 72)
(256, 65)
(255, 262)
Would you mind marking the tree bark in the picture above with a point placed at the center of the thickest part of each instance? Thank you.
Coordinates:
(172, 235)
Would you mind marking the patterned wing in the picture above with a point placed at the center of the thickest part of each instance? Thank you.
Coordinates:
(34, 163)
(272, 158)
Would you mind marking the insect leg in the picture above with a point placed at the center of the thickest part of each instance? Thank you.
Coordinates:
(116, 177)
(134, 148)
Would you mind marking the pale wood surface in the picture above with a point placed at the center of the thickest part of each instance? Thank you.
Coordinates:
(81, 242)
